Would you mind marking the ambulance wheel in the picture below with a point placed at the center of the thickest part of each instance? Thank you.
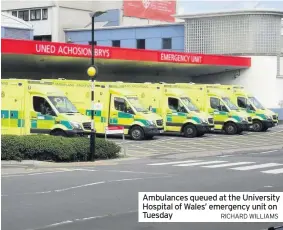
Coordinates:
(200, 134)
(240, 131)
(58, 132)
(230, 128)
(264, 129)
(257, 126)
(190, 131)
(149, 137)
(136, 133)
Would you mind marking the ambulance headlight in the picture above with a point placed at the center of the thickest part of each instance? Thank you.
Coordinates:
(203, 120)
(76, 125)
(150, 122)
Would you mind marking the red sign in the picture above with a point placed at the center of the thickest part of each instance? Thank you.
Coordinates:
(114, 130)
(11, 46)
(180, 58)
(161, 10)
(52, 48)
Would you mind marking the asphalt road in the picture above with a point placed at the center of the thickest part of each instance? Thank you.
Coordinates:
(106, 197)
(167, 144)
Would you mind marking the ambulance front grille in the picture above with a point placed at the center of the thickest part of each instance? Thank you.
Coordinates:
(87, 125)
(210, 120)
(159, 122)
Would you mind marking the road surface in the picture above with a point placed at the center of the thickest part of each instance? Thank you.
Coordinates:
(106, 197)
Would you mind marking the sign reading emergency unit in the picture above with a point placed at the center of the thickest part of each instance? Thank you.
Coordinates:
(180, 58)
(27, 47)
(114, 130)
(161, 10)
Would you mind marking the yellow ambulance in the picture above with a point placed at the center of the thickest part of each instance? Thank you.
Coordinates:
(30, 106)
(114, 106)
(227, 116)
(179, 114)
(263, 118)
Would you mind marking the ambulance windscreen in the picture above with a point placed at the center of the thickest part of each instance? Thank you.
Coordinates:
(63, 104)
(134, 101)
(189, 104)
(256, 103)
(229, 103)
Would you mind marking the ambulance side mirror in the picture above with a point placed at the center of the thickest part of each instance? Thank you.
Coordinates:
(210, 110)
(168, 111)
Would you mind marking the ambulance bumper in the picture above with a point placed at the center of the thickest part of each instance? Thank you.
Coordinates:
(152, 130)
(268, 123)
(77, 132)
(205, 128)
(244, 126)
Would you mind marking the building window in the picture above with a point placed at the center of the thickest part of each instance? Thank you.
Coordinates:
(35, 14)
(140, 43)
(95, 43)
(44, 14)
(167, 43)
(24, 15)
(116, 43)
(15, 13)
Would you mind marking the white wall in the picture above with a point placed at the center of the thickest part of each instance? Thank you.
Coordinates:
(130, 21)
(72, 18)
(92, 5)
(10, 21)
(260, 79)
(17, 4)
(43, 27)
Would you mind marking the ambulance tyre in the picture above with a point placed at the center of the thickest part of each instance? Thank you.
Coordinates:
(137, 133)
(264, 129)
(257, 126)
(58, 132)
(149, 137)
(190, 131)
(240, 131)
(230, 128)
(200, 134)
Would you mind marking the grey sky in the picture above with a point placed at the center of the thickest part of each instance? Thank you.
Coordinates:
(187, 6)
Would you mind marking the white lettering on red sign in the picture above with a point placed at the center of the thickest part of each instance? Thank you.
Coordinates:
(181, 58)
(71, 50)
(114, 130)
(49, 49)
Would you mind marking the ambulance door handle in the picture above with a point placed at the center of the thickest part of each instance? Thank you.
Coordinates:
(115, 113)
(34, 117)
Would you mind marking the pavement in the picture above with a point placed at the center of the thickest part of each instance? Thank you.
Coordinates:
(103, 195)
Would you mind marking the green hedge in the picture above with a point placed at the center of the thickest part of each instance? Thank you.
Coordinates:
(54, 148)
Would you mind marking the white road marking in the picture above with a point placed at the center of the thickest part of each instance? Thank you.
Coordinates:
(200, 163)
(271, 151)
(35, 174)
(87, 170)
(268, 186)
(81, 219)
(226, 156)
(172, 163)
(267, 165)
(274, 171)
(80, 186)
(12, 176)
(87, 185)
(228, 164)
